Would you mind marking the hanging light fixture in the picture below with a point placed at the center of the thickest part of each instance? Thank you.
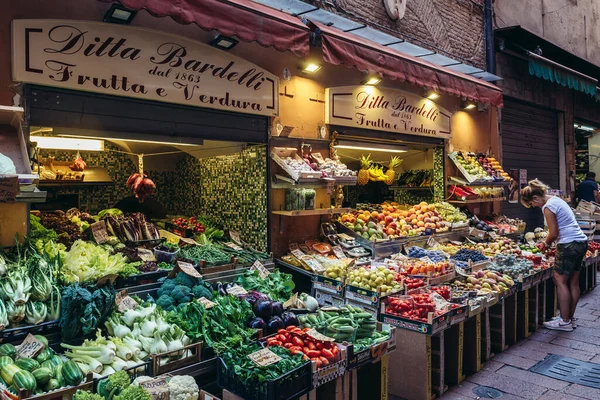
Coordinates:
(224, 42)
(56, 143)
(117, 14)
(365, 146)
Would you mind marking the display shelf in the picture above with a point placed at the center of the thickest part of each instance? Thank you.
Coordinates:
(462, 182)
(411, 187)
(94, 176)
(318, 211)
(37, 196)
(495, 199)
(282, 182)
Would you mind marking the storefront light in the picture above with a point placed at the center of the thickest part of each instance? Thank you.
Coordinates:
(468, 105)
(372, 81)
(311, 68)
(166, 142)
(117, 14)
(387, 148)
(431, 95)
(584, 127)
(55, 143)
(223, 42)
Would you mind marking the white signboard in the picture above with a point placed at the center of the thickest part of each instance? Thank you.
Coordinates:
(141, 63)
(389, 110)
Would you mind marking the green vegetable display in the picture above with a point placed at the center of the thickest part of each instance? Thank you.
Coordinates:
(251, 375)
(180, 290)
(277, 286)
(206, 252)
(87, 262)
(220, 327)
(81, 395)
(83, 311)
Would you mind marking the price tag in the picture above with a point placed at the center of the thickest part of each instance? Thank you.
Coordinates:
(206, 303)
(264, 357)
(432, 243)
(293, 246)
(186, 268)
(262, 271)
(297, 253)
(339, 253)
(30, 347)
(329, 308)
(493, 235)
(291, 302)
(345, 237)
(318, 336)
(124, 302)
(189, 241)
(158, 388)
(440, 302)
(9, 187)
(145, 254)
(304, 248)
(233, 246)
(426, 260)
(461, 271)
(236, 290)
(235, 236)
(313, 264)
(99, 232)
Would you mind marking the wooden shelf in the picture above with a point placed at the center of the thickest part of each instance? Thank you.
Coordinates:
(477, 201)
(94, 176)
(491, 184)
(36, 196)
(282, 182)
(304, 213)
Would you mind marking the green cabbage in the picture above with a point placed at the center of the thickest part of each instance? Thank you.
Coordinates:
(87, 262)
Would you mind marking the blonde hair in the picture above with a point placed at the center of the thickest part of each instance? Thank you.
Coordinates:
(534, 188)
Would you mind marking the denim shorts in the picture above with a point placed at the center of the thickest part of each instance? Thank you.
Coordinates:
(570, 257)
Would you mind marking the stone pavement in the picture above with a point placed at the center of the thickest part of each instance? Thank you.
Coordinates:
(508, 371)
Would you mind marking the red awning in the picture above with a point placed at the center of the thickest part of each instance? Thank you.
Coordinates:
(353, 51)
(244, 19)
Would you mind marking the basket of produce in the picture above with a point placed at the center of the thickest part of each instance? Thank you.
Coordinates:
(287, 378)
(166, 252)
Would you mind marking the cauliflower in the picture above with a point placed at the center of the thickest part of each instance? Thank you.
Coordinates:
(183, 387)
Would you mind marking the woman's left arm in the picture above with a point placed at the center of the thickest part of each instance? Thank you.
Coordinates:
(552, 227)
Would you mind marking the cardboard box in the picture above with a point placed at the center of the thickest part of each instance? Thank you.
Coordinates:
(328, 292)
(433, 325)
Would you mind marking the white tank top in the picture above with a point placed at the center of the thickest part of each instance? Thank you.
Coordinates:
(568, 228)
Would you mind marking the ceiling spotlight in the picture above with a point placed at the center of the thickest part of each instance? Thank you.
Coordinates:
(311, 68)
(468, 105)
(117, 14)
(223, 42)
(372, 80)
(431, 95)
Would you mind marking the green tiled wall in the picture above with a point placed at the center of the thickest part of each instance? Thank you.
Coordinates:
(438, 174)
(413, 196)
(232, 189)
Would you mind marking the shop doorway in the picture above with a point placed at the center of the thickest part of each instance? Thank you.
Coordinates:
(530, 143)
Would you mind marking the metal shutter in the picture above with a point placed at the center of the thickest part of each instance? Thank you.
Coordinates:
(530, 141)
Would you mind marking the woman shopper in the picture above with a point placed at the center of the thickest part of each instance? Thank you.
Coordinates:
(570, 250)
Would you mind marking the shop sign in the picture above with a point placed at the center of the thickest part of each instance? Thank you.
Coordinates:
(134, 62)
(389, 110)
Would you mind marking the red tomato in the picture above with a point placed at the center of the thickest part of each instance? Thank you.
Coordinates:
(288, 345)
(281, 331)
(281, 338)
(324, 361)
(319, 346)
(313, 353)
(311, 346)
(327, 353)
(317, 361)
(297, 341)
(291, 328)
(334, 350)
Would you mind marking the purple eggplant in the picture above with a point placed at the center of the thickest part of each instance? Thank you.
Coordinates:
(277, 308)
(257, 323)
(263, 309)
(289, 318)
(274, 325)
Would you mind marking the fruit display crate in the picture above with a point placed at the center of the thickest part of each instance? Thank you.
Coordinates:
(372, 354)
(433, 325)
(327, 291)
(278, 154)
(454, 156)
(290, 385)
(380, 248)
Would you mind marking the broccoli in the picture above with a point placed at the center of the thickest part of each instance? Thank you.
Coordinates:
(202, 291)
(185, 280)
(134, 393)
(81, 395)
(165, 302)
(181, 294)
(167, 287)
(114, 384)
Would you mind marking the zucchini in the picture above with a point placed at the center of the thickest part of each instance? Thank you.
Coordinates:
(71, 373)
(42, 339)
(44, 355)
(8, 372)
(52, 385)
(8, 349)
(28, 364)
(4, 360)
(42, 376)
(24, 380)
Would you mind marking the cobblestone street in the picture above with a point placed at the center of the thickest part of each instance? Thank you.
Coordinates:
(508, 371)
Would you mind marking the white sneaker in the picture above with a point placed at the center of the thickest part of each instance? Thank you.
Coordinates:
(558, 324)
(574, 322)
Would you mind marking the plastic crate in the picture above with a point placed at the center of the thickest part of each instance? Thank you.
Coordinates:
(165, 256)
(291, 385)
